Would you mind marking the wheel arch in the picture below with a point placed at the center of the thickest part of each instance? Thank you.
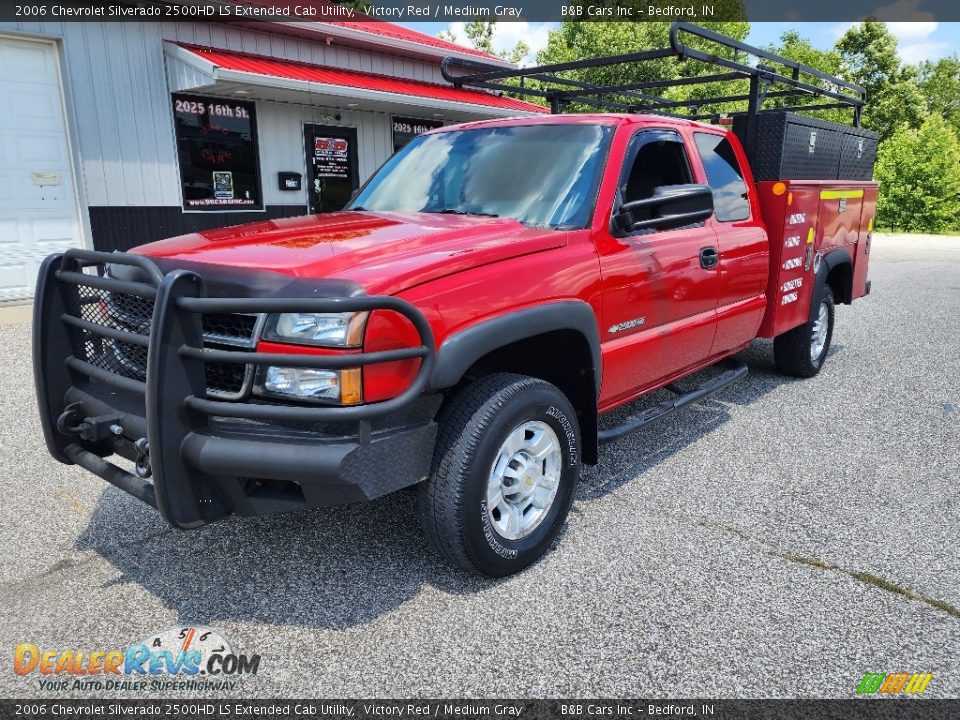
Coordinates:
(837, 271)
(558, 342)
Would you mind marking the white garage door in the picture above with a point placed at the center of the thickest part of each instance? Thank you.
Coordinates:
(38, 208)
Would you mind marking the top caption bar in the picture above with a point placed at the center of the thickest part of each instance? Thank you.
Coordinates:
(501, 11)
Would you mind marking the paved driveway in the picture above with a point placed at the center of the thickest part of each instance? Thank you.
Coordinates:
(779, 540)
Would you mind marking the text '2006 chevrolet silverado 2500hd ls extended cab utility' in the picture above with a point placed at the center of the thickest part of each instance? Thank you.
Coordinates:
(491, 291)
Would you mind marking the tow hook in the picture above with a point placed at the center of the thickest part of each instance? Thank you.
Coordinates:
(70, 420)
(142, 463)
(92, 429)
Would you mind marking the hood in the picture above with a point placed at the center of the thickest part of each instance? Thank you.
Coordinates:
(382, 252)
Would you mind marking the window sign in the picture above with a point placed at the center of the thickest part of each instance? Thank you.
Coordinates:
(331, 157)
(406, 129)
(217, 150)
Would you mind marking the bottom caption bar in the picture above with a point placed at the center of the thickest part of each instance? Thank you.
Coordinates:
(854, 709)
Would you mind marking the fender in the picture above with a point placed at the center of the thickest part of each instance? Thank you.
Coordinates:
(461, 350)
(831, 260)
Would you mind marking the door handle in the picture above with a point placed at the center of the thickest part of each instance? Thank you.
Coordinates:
(709, 257)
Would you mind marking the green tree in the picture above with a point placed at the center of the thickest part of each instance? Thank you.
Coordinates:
(480, 35)
(940, 85)
(794, 46)
(579, 40)
(870, 59)
(919, 174)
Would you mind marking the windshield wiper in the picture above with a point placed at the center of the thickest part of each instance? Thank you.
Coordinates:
(458, 211)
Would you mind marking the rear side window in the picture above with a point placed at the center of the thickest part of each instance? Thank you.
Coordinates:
(724, 177)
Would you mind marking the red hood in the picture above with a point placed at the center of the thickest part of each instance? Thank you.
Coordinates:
(383, 252)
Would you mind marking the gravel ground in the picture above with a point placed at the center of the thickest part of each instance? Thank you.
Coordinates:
(777, 541)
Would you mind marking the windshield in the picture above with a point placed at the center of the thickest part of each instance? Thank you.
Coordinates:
(540, 175)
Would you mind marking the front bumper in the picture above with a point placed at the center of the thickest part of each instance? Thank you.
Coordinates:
(207, 457)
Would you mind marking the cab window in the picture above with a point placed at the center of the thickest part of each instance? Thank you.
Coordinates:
(730, 200)
(655, 158)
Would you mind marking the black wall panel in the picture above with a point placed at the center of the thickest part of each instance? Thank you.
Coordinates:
(124, 227)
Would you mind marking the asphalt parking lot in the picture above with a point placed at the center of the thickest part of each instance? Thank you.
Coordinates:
(779, 540)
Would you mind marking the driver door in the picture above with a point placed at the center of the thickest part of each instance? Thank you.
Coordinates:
(659, 286)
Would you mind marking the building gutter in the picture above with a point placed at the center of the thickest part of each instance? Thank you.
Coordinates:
(190, 72)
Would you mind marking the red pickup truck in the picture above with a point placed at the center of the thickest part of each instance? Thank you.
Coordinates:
(493, 289)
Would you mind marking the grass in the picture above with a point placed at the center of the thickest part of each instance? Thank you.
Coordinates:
(859, 575)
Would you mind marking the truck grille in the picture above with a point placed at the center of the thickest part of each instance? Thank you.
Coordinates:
(221, 331)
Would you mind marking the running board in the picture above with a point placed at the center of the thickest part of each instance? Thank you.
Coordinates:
(665, 409)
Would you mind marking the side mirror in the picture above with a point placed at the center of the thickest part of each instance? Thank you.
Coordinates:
(670, 206)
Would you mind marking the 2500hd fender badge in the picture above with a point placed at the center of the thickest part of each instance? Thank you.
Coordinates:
(626, 325)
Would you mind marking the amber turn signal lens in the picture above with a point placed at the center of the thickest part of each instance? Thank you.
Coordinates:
(351, 386)
(779, 188)
(355, 329)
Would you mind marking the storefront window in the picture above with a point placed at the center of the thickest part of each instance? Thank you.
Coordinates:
(406, 129)
(217, 149)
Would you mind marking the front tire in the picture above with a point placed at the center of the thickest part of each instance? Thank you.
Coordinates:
(801, 351)
(504, 475)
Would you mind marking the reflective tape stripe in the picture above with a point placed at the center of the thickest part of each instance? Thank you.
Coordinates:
(840, 194)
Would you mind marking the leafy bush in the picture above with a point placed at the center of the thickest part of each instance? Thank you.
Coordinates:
(919, 174)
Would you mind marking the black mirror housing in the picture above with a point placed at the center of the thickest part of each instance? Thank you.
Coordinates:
(670, 206)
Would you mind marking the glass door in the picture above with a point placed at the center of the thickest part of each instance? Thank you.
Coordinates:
(332, 173)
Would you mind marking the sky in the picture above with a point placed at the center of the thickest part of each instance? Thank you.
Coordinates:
(916, 41)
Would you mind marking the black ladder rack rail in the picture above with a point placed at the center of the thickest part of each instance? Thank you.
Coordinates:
(814, 89)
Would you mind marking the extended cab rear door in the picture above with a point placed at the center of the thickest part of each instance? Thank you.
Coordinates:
(659, 297)
(741, 237)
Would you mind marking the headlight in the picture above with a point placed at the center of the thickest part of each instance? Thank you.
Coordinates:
(331, 329)
(335, 386)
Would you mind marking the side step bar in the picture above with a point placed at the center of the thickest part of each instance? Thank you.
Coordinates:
(665, 409)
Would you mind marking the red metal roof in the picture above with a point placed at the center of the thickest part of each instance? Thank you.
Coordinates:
(399, 32)
(372, 25)
(326, 75)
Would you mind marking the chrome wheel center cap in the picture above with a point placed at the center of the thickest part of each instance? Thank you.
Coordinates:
(523, 482)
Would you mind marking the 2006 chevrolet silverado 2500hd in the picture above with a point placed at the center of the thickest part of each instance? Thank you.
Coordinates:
(493, 289)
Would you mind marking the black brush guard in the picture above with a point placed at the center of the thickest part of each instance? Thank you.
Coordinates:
(204, 454)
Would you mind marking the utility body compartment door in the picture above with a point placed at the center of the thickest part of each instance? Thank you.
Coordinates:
(861, 259)
(809, 221)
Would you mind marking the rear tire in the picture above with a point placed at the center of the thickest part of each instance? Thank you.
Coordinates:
(505, 471)
(801, 351)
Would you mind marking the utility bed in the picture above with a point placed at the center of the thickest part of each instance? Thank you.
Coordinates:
(807, 220)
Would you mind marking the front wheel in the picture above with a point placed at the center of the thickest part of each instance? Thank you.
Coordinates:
(505, 471)
(801, 351)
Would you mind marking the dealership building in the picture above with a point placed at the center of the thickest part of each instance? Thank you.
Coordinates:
(117, 134)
